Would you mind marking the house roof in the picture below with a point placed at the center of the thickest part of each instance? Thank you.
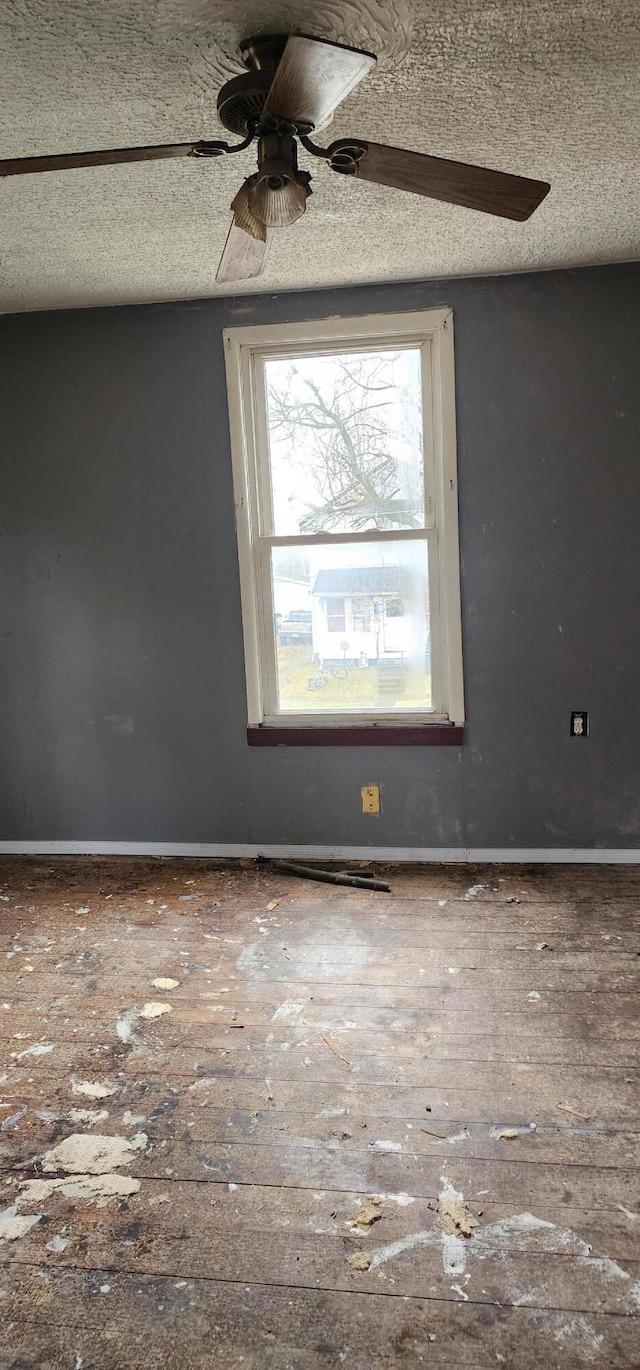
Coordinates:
(359, 580)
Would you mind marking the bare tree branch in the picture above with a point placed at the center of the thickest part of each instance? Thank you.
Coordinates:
(342, 437)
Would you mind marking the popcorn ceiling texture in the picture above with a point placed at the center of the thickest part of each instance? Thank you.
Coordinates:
(550, 90)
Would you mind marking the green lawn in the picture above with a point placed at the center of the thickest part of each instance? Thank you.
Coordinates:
(387, 687)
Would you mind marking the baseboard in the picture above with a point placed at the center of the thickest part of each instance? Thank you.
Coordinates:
(625, 856)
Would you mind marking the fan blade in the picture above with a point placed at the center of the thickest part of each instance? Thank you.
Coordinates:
(243, 256)
(474, 187)
(313, 77)
(66, 161)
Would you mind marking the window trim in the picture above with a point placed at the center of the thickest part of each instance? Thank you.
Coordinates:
(433, 330)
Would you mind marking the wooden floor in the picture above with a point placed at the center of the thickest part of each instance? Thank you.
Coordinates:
(321, 1045)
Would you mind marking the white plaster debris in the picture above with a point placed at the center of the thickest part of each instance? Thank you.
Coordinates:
(165, 982)
(331, 1112)
(203, 1084)
(581, 1337)
(12, 1120)
(383, 1254)
(93, 1154)
(133, 1119)
(474, 890)
(290, 1009)
(458, 1137)
(100, 1187)
(93, 1089)
(533, 996)
(58, 1244)
(523, 1232)
(386, 1146)
(14, 1225)
(403, 1200)
(124, 1025)
(154, 1010)
(84, 908)
(89, 1116)
(39, 1049)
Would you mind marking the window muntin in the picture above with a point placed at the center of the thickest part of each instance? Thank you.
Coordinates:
(398, 656)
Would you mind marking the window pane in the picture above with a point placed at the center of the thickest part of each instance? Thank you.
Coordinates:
(352, 627)
(345, 441)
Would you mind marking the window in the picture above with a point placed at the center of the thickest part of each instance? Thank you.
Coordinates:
(343, 441)
(335, 615)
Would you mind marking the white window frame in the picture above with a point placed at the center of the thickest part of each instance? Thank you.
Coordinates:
(245, 348)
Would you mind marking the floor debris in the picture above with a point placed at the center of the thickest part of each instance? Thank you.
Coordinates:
(93, 1089)
(360, 1260)
(12, 1120)
(93, 1154)
(272, 905)
(565, 1108)
(455, 1217)
(428, 1133)
(88, 1116)
(332, 1047)
(369, 1212)
(508, 1134)
(165, 982)
(154, 1010)
(58, 1244)
(100, 1187)
(14, 1225)
(39, 1049)
(330, 877)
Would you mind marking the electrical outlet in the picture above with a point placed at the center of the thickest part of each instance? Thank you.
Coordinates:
(370, 798)
(580, 723)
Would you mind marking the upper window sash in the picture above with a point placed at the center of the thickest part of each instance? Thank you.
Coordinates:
(258, 452)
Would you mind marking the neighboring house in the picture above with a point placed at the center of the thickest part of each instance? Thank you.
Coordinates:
(367, 614)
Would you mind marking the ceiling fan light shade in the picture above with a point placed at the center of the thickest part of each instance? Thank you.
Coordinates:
(277, 198)
(243, 217)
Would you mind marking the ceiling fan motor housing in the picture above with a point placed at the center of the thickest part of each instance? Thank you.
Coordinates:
(241, 101)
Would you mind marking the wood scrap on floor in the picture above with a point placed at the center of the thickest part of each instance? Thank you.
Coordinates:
(336, 1051)
(565, 1108)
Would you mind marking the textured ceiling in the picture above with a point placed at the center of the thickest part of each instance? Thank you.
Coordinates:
(549, 89)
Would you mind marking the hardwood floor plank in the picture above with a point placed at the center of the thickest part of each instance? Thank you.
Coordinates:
(204, 1323)
(466, 1003)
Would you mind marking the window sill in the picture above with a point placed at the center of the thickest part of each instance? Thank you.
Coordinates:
(357, 735)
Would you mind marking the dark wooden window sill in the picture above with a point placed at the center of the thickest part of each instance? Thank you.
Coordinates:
(357, 735)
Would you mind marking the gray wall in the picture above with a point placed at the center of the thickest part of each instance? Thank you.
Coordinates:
(123, 713)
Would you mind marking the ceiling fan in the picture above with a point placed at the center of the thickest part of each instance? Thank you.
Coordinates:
(291, 87)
